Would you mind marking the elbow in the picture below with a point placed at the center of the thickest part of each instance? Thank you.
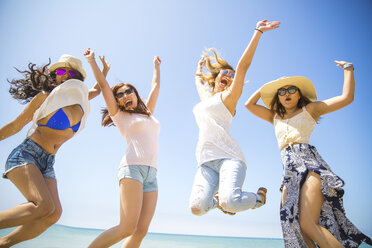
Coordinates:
(248, 106)
(350, 100)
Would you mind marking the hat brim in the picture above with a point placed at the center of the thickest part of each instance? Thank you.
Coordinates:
(270, 89)
(71, 65)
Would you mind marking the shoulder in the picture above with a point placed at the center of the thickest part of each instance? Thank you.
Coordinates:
(40, 97)
(311, 108)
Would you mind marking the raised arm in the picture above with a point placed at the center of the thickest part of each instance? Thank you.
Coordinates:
(199, 83)
(105, 87)
(96, 90)
(234, 92)
(24, 118)
(319, 108)
(155, 86)
(259, 110)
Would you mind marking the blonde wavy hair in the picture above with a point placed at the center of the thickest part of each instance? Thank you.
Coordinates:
(214, 64)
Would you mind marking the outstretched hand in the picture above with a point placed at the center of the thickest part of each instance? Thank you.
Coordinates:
(266, 26)
(89, 54)
(157, 61)
(341, 63)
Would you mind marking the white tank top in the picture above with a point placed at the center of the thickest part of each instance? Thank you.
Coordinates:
(215, 141)
(142, 135)
(294, 130)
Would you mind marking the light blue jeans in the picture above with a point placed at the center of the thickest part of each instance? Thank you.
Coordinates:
(225, 176)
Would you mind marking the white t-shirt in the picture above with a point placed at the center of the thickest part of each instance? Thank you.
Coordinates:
(142, 135)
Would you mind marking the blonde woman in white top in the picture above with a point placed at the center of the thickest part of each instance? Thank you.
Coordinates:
(58, 106)
(221, 163)
(311, 211)
(138, 168)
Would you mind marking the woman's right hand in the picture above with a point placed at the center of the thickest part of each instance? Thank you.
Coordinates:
(89, 54)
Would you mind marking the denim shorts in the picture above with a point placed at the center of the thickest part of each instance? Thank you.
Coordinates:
(143, 173)
(29, 152)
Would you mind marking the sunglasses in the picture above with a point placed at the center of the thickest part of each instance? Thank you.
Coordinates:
(125, 93)
(225, 72)
(291, 90)
(72, 73)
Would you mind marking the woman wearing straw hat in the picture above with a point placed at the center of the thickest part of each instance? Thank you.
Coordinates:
(221, 163)
(58, 108)
(311, 208)
(138, 167)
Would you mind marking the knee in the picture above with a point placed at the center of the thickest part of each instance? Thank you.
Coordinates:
(45, 208)
(140, 233)
(228, 203)
(199, 207)
(197, 211)
(126, 229)
(54, 217)
(308, 227)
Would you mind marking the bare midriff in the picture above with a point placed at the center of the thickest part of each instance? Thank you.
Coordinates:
(52, 139)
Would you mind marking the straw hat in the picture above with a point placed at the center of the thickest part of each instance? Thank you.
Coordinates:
(69, 61)
(270, 89)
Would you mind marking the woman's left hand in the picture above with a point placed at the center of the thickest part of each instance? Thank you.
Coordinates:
(341, 63)
(266, 26)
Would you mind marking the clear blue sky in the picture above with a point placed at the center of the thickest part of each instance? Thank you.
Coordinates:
(312, 35)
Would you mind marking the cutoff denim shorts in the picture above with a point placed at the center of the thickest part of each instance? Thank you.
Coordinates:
(29, 152)
(142, 173)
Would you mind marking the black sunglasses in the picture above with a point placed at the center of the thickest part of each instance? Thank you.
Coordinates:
(291, 90)
(126, 92)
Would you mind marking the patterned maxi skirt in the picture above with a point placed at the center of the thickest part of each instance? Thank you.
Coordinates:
(297, 161)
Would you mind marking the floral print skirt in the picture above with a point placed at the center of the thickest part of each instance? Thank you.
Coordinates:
(298, 160)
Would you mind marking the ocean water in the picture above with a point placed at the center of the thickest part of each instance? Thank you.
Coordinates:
(59, 236)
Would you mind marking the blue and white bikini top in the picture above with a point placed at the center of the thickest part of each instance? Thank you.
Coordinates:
(70, 92)
(60, 121)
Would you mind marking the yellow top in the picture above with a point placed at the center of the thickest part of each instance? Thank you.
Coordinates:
(294, 130)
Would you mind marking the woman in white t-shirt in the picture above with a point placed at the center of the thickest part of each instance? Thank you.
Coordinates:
(221, 163)
(138, 168)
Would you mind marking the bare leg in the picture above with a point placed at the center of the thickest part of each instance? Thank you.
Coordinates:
(311, 200)
(148, 210)
(307, 240)
(35, 228)
(131, 194)
(31, 184)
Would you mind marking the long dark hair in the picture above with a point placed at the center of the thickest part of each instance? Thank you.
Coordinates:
(36, 80)
(140, 109)
(278, 108)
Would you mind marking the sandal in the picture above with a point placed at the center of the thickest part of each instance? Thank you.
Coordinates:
(220, 208)
(262, 192)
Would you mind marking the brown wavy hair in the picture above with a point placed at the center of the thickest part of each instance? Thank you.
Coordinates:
(36, 79)
(278, 108)
(140, 109)
(213, 68)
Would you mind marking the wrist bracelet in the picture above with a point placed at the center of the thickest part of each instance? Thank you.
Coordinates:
(348, 66)
(258, 30)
